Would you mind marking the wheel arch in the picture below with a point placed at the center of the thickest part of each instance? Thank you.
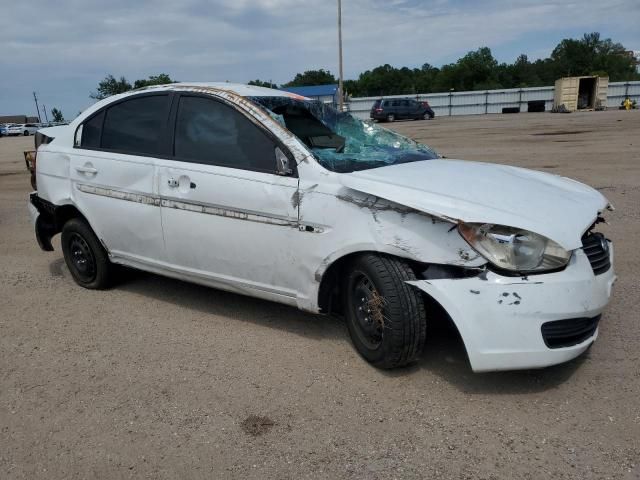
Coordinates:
(330, 279)
(51, 220)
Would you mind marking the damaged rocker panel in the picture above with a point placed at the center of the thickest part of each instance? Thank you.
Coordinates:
(197, 207)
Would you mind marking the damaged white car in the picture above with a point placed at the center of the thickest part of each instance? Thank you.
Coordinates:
(269, 194)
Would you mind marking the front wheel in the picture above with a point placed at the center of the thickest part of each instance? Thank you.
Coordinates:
(85, 256)
(385, 316)
(26, 133)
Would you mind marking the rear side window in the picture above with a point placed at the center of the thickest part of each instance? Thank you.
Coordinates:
(91, 131)
(134, 126)
(210, 132)
(377, 103)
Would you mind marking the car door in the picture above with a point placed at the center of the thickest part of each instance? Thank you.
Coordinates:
(414, 109)
(407, 109)
(112, 173)
(228, 218)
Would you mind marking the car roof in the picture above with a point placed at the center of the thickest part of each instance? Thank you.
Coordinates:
(237, 88)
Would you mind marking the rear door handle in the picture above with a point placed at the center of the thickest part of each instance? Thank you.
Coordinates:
(173, 183)
(87, 170)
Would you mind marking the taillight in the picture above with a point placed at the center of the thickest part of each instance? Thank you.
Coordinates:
(378, 110)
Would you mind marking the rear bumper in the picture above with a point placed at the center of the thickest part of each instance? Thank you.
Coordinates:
(500, 318)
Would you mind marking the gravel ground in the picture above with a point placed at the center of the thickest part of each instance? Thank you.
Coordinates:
(162, 379)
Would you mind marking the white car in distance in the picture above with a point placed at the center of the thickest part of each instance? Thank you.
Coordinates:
(272, 195)
(25, 129)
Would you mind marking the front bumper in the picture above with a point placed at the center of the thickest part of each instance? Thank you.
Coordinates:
(500, 318)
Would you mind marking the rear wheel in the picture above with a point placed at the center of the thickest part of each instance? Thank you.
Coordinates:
(391, 117)
(385, 316)
(85, 257)
(26, 133)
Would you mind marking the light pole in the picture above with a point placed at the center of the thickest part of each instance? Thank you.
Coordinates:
(37, 108)
(340, 81)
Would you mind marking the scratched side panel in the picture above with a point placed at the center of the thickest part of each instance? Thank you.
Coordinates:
(119, 201)
(235, 225)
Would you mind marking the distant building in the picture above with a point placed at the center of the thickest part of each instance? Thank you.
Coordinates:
(324, 93)
(18, 119)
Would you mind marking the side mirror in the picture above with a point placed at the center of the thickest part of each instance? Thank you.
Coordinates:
(282, 163)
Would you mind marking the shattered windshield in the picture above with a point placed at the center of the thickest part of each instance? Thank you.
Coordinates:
(341, 142)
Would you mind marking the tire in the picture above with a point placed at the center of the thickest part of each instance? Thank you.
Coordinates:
(385, 316)
(85, 256)
(391, 117)
(26, 133)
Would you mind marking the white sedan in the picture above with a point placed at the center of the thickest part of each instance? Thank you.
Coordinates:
(25, 129)
(272, 195)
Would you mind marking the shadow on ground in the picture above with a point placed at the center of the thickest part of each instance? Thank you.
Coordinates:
(443, 356)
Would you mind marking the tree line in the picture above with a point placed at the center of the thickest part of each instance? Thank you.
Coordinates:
(477, 70)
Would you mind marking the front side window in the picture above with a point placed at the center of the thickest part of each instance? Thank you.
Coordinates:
(210, 132)
(135, 126)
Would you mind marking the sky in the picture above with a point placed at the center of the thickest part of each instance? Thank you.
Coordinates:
(61, 49)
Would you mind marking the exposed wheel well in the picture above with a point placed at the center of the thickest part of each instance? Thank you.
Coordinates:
(65, 213)
(51, 220)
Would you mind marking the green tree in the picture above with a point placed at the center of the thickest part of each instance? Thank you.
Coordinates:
(110, 86)
(477, 70)
(57, 115)
(260, 83)
(312, 77)
(161, 79)
(590, 55)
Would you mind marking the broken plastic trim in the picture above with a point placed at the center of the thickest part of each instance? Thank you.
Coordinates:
(348, 143)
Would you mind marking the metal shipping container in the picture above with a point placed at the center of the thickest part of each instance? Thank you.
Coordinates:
(581, 93)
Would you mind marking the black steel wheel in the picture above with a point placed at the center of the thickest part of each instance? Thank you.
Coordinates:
(83, 263)
(385, 316)
(367, 304)
(85, 256)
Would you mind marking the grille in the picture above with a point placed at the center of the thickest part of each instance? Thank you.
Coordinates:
(566, 333)
(596, 247)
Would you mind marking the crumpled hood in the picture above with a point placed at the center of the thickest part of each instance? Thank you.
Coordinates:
(557, 207)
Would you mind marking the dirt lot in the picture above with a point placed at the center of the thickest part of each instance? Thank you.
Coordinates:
(158, 378)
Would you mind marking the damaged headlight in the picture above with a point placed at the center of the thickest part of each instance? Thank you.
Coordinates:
(514, 249)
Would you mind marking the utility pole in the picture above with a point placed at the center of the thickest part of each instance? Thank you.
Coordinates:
(340, 83)
(46, 118)
(37, 109)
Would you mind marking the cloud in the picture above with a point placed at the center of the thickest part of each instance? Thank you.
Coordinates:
(62, 49)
